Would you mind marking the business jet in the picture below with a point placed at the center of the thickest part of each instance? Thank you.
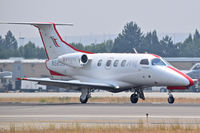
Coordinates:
(194, 71)
(113, 72)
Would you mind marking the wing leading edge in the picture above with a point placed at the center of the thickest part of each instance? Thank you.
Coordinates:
(70, 83)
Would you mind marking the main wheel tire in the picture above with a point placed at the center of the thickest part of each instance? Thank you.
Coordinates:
(134, 98)
(84, 100)
(171, 100)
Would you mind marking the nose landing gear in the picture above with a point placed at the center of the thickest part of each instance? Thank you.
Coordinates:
(170, 98)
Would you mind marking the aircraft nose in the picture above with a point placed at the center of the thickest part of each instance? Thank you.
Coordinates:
(181, 78)
(182, 81)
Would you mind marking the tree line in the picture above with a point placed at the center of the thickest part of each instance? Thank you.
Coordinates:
(9, 48)
(130, 37)
(133, 37)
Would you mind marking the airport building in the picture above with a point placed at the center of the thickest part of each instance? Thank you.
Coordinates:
(29, 68)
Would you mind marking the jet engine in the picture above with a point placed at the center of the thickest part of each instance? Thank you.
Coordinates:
(74, 59)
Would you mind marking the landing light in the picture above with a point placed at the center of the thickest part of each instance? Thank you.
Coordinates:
(117, 87)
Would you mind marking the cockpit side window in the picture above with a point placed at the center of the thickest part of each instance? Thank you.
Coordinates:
(144, 62)
(158, 62)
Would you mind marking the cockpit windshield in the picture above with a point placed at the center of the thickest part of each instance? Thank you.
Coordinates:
(158, 62)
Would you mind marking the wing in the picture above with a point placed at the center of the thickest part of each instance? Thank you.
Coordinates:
(70, 83)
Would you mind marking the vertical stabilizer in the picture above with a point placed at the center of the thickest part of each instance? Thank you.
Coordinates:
(53, 43)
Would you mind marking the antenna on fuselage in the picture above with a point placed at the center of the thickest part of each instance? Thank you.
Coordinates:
(135, 50)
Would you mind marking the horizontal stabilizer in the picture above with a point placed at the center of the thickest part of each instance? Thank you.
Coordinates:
(38, 23)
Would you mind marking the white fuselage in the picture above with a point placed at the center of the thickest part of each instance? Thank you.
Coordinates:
(128, 73)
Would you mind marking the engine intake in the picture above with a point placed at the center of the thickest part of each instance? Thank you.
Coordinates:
(84, 58)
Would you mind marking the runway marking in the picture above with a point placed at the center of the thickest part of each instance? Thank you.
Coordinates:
(97, 116)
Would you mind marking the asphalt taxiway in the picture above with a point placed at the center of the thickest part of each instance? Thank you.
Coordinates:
(96, 112)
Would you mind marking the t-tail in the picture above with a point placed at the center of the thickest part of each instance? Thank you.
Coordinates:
(54, 45)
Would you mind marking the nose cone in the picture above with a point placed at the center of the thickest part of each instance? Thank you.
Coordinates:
(179, 78)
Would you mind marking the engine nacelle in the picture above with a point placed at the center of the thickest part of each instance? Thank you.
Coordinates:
(74, 59)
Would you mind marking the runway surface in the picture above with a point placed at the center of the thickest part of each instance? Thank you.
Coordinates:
(97, 94)
(99, 112)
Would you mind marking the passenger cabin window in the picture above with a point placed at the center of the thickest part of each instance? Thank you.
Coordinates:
(99, 63)
(108, 63)
(144, 62)
(116, 62)
(158, 61)
(123, 63)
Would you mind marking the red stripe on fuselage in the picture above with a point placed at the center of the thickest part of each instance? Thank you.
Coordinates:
(184, 75)
(52, 72)
(155, 55)
(176, 87)
(55, 73)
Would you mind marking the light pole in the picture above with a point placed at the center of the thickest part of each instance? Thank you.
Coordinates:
(21, 41)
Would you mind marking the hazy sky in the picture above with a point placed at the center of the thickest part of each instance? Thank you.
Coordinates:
(101, 16)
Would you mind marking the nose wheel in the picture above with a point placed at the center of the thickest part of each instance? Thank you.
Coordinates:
(84, 100)
(171, 99)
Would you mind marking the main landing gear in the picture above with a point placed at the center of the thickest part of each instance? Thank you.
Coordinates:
(85, 95)
(137, 94)
(134, 98)
(170, 98)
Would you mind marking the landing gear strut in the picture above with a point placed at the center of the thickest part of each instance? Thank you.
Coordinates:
(85, 95)
(170, 98)
(137, 94)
